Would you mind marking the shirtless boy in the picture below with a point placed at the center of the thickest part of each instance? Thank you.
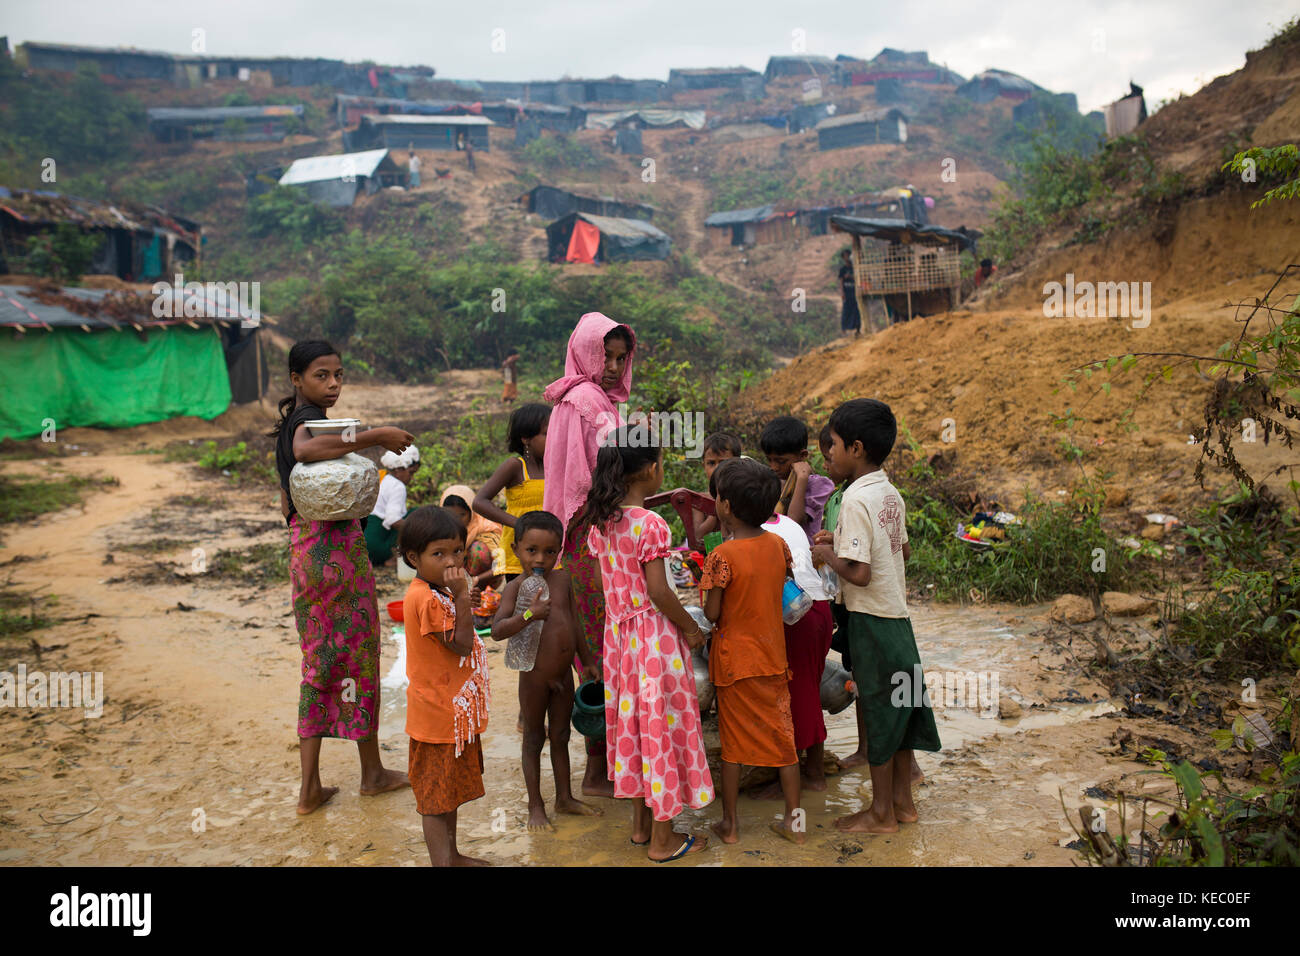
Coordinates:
(546, 691)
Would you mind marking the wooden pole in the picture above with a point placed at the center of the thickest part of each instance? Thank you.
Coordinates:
(864, 317)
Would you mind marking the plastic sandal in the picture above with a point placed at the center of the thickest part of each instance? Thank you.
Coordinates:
(681, 851)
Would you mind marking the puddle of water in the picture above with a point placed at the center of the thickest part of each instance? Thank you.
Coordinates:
(950, 639)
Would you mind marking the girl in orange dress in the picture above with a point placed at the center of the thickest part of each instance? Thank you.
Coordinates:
(447, 699)
(741, 587)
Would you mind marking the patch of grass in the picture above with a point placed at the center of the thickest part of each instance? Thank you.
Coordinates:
(1243, 619)
(193, 502)
(560, 153)
(22, 497)
(23, 612)
(155, 546)
(1058, 548)
(183, 451)
(467, 455)
(266, 563)
(1207, 823)
(236, 461)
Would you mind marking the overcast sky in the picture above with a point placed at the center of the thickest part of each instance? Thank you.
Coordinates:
(1091, 48)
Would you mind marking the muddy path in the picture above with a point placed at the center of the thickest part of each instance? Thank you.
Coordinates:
(194, 759)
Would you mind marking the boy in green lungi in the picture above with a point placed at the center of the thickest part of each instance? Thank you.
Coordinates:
(867, 550)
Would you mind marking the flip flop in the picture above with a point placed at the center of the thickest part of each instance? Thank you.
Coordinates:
(680, 852)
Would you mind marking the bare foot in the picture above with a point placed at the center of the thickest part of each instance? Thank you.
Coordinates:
(855, 759)
(598, 788)
(769, 791)
(727, 834)
(388, 780)
(576, 807)
(537, 820)
(314, 800)
(781, 830)
(459, 860)
(701, 841)
(865, 822)
(817, 784)
(904, 808)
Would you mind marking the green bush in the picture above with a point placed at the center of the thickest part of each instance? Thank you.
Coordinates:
(1056, 185)
(468, 455)
(289, 215)
(1208, 825)
(237, 462)
(219, 459)
(184, 190)
(73, 120)
(1244, 619)
(406, 317)
(752, 186)
(63, 253)
(561, 154)
(1272, 166)
(1053, 550)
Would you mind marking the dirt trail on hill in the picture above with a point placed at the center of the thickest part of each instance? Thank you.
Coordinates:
(694, 212)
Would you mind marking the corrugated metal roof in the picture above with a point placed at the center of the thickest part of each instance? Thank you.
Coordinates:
(73, 48)
(713, 71)
(315, 169)
(867, 116)
(894, 229)
(442, 119)
(40, 206)
(19, 309)
(734, 217)
(802, 58)
(629, 228)
(184, 114)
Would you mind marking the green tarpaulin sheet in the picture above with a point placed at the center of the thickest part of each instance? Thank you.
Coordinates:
(109, 378)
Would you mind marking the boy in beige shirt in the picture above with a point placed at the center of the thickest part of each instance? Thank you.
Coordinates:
(867, 551)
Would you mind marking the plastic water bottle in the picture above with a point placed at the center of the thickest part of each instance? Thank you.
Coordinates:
(697, 614)
(521, 650)
(830, 582)
(795, 602)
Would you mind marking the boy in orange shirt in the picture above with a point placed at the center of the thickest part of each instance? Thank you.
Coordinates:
(742, 583)
(446, 663)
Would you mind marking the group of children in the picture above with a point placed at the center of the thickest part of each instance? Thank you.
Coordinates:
(840, 537)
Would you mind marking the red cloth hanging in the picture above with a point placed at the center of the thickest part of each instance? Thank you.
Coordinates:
(584, 242)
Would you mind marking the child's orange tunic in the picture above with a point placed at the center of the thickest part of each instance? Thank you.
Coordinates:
(747, 662)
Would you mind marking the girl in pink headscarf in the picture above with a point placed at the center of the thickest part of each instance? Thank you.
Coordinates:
(597, 376)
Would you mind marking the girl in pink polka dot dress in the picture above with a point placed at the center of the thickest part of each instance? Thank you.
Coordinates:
(652, 718)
